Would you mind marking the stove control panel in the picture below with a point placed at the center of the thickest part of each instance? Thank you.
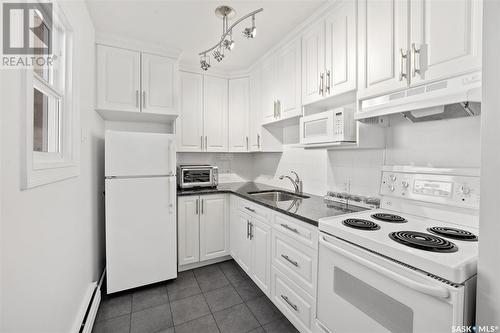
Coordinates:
(460, 191)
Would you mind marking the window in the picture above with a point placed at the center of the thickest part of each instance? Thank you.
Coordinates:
(52, 145)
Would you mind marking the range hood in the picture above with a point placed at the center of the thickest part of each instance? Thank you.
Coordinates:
(452, 98)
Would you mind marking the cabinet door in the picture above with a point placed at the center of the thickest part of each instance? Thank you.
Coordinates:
(188, 230)
(215, 122)
(214, 226)
(313, 62)
(255, 118)
(118, 79)
(189, 125)
(239, 107)
(269, 90)
(383, 35)
(340, 51)
(445, 38)
(158, 84)
(240, 241)
(289, 74)
(261, 254)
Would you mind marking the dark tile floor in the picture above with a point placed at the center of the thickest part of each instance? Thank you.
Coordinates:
(215, 298)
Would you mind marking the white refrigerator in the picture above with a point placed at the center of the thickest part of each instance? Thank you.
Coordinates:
(140, 191)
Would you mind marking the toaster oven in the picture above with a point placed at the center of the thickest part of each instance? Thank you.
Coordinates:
(190, 176)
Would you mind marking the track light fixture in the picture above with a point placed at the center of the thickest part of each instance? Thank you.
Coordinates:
(226, 41)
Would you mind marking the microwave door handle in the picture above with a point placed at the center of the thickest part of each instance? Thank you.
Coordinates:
(435, 291)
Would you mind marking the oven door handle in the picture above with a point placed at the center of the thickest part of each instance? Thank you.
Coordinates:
(435, 291)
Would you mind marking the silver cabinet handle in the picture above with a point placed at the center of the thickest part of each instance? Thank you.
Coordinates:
(275, 106)
(414, 52)
(278, 103)
(206, 142)
(286, 226)
(328, 82)
(202, 206)
(197, 203)
(201, 139)
(293, 306)
(248, 229)
(258, 140)
(321, 84)
(137, 98)
(144, 99)
(403, 58)
(247, 141)
(251, 230)
(250, 209)
(287, 258)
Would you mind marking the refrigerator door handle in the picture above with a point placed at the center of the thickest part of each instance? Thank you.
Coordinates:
(170, 158)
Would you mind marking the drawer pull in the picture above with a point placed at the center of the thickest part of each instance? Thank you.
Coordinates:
(293, 306)
(287, 258)
(250, 209)
(286, 226)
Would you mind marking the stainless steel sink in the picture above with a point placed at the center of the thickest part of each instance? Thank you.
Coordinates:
(277, 196)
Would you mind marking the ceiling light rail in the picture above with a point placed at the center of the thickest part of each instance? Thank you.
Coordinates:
(226, 41)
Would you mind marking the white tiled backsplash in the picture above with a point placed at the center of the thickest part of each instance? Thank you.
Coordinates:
(446, 143)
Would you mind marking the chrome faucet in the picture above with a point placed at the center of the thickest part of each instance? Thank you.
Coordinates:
(297, 183)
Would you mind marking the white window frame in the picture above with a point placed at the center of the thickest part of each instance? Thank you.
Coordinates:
(42, 168)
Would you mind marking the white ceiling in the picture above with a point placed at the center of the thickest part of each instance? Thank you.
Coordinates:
(192, 26)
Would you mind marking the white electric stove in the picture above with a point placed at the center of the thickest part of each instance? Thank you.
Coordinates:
(409, 266)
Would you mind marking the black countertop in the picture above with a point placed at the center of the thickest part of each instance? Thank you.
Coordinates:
(309, 210)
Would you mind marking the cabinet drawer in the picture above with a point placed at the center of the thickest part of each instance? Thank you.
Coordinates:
(301, 231)
(255, 209)
(298, 306)
(296, 260)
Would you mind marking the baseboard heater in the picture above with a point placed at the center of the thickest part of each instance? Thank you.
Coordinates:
(93, 306)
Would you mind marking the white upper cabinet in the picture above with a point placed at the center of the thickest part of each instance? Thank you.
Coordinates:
(239, 109)
(118, 79)
(408, 43)
(215, 114)
(269, 89)
(158, 84)
(255, 116)
(131, 81)
(313, 62)
(340, 59)
(289, 81)
(445, 38)
(329, 54)
(189, 125)
(383, 41)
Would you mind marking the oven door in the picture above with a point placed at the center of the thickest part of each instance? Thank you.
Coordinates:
(197, 177)
(359, 291)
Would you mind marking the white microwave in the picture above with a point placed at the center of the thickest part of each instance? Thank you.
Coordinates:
(336, 125)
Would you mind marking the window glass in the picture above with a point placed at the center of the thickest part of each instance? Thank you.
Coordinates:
(46, 123)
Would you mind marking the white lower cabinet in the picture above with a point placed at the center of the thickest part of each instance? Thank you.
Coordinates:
(250, 232)
(280, 254)
(298, 306)
(203, 228)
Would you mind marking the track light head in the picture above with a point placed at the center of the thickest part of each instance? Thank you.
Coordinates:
(205, 62)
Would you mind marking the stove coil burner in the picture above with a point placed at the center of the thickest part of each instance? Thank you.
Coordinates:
(423, 241)
(389, 218)
(361, 224)
(453, 233)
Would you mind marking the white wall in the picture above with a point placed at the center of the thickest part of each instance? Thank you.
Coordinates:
(51, 236)
(446, 143)
(488, 292)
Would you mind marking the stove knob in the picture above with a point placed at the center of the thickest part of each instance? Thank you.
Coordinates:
(405, 184)
(391, 188)
(392, 178)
